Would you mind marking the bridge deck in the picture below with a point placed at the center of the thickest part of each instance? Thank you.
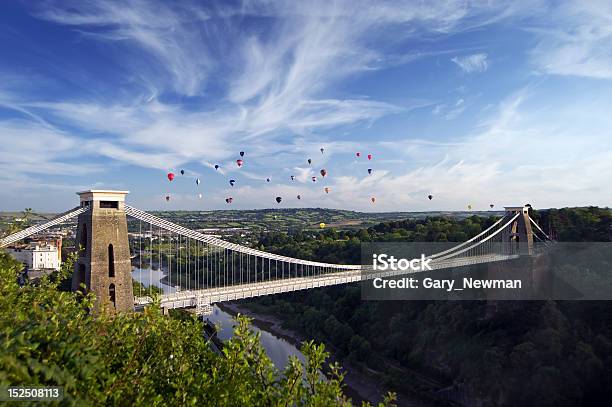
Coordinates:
(187, 299)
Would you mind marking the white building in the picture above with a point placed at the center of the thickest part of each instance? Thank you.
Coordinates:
(37, 256)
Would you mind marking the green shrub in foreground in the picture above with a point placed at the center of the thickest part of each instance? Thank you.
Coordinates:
(49, 337)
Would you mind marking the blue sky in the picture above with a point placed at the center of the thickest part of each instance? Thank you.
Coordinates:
(475, 103)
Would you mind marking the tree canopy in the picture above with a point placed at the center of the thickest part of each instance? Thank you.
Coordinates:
(49, 337)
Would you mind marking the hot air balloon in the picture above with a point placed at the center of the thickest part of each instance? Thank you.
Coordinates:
(299, 197)
(167, 198)
(182, 172)
(491, 206)
(200, 196)
(267, 179)
(369, 171)
(292, 178)
(430, 197)
(278, 199)
(323, 172)
(309, 161)
(369, 156)
(373, 199)
(326, 189)
(358, 154)
(216, 166)
(322, 149)
(170, 176)
(242, 154)
(469, 207)
(321, 225)
(197, 181)
(239, 162)
(232, 181)
(314, 179)
(229, 200)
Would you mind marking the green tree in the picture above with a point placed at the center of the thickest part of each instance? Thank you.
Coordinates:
(49, 337)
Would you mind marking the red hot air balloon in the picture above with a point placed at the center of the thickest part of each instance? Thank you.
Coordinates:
(358, 154)
(239, 162)
(369, 156)
(314, 179)
(170, 176)
(373, 199)
(323, 172)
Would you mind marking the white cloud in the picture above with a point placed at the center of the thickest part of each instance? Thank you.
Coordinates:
(29, 148)
(577, 40)
(472, 63)
(457, 110)
(277, 88)
(520, 154)
(278, 93)
(523, 153)
(169, 34)
(438, 109)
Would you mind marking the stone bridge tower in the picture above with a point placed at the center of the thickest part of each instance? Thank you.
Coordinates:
(104, 264)
(520, 234)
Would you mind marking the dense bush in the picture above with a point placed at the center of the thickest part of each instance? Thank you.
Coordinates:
(49, 337)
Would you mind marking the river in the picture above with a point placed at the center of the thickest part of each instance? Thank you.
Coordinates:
(277, 349)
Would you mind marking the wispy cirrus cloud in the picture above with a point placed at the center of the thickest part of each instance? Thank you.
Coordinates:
(276, 83)
(521, 153)
(193, 83)
(472, 63)
(579, 43)
(169, 34)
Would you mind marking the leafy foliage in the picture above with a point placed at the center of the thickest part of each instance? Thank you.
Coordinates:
(49, 337)
(505, 353)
